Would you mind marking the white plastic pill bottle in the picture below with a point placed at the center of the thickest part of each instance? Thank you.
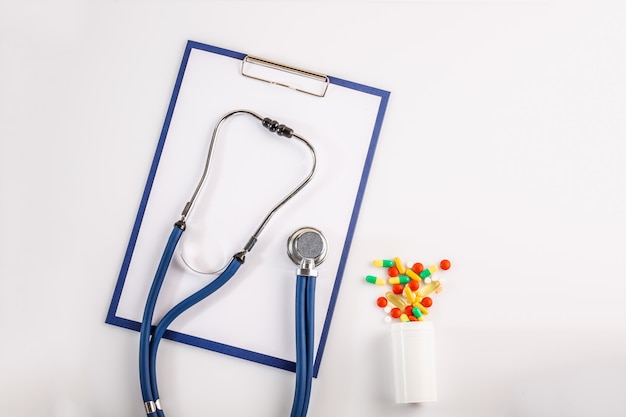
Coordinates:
(414, 361)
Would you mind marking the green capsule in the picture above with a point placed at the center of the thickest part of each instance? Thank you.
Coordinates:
(374, 280)
(385, 263)
(402, 279)
(417, 312)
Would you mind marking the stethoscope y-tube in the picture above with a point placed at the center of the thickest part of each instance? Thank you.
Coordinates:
(150, 338)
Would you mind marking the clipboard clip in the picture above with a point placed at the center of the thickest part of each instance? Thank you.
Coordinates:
(297, 79)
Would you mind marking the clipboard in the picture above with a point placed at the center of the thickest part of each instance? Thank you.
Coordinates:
(252, 316)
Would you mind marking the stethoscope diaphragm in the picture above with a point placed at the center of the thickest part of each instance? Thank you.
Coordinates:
(307, 243)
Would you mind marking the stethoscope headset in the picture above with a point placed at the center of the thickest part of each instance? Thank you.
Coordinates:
(306, 247)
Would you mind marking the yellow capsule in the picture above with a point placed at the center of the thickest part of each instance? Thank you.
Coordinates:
(411, 274)
(423, 309)
(374, 280)
(402, 279)
(404, 318)
(396, 300)
(428, 288)
(409, 294)
(433, 269)
(399, 265)
(386, 263)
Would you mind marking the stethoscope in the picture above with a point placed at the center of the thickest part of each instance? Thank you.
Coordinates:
(307, 247)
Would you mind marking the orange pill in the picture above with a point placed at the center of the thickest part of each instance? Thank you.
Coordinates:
(397, 288)
(414, 285)
(427, 302)
(417, 267)
(382, 302)
(393, 272)
(445, 264)
(395, 312)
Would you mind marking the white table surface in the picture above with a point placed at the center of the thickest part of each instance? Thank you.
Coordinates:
(503, 149)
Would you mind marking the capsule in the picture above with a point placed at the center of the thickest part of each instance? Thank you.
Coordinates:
(404, 318)
(427, 289)
(396, 300)
(425, 273)
(402, 279)
(385, 263)
(411, 274)
(399, 265)
(409, 294)
(417, 312)
(421, 308)
(374, 280)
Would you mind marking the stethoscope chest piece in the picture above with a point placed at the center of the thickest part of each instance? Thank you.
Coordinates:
(307, 243)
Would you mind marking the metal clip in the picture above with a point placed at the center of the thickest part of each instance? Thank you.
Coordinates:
(297, 79)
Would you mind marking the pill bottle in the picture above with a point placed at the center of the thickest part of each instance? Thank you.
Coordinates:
(414, 361)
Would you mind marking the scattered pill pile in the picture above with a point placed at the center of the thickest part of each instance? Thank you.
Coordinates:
(411, 287)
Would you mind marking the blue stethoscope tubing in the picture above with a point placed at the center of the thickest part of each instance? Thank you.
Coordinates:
(305, 333)
(148, 346)
(150, 338)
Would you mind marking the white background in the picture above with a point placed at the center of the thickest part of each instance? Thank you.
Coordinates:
(502, 149)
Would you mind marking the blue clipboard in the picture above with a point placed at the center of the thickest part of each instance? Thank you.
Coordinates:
(212, 79)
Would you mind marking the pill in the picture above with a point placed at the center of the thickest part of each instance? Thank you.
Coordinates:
(413, 318)
(382, 302)
(393, 271)
(395, 312)
(427, 301)
(417, 312)
(387, 319)
(404, 318)
(402, 279)
(428, 280)
(433, 269)
(427, 289)
(408, 310)
(399, 265)
(417, 267)
(387, 309)
(413, 285)
(396, 300)
(409, 294)
(397, 288)
(425, 273)
(386, 263)
(374, 280)
(444, 264)
(421, 308)
(411, 274)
